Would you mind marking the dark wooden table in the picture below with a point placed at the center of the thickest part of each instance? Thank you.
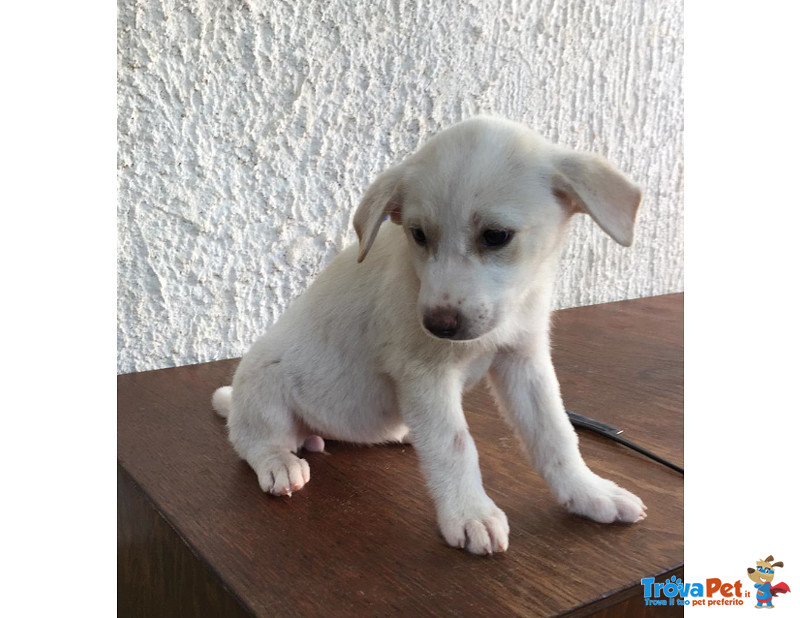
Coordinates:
(196, 537)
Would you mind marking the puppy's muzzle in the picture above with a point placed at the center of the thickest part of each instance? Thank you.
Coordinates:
(444, 322)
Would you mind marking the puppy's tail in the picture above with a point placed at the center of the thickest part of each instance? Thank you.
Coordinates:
(221, 401)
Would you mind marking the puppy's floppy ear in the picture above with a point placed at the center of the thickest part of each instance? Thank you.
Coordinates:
(588, 183)
(383, 197)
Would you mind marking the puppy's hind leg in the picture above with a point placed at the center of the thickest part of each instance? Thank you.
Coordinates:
(264, 431)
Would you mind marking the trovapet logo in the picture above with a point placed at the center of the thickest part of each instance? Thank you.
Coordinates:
(716, 592)
(675, 592)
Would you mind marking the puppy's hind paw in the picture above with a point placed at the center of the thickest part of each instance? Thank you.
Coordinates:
(282, 473)
(482, 531)
(605, 501)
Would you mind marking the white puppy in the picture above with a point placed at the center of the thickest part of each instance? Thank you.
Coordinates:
(385, 342)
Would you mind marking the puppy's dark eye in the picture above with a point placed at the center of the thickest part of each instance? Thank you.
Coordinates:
(497, 238)
(419, 236)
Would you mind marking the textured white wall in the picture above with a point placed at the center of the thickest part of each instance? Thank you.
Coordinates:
(248, 131)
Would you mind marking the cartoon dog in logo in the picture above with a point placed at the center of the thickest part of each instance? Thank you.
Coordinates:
(763, 575)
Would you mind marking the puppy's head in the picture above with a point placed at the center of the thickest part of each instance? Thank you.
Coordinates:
(484, 206)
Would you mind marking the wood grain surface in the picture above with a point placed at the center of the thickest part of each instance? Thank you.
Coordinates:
(361, 538)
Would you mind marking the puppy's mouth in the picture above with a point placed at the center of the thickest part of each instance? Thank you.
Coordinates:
(457, 337)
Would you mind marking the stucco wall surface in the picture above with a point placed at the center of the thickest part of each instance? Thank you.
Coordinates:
(248, 132)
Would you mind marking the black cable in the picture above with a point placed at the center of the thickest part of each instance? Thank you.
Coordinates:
(612, 433)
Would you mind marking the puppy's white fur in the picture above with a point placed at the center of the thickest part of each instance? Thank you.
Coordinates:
(352, 358)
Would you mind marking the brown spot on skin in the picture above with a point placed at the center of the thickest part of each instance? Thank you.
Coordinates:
(396, 214)
(460, 441)
(562, 196)
(446, 296)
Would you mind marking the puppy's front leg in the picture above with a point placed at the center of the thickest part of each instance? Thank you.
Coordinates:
(467, 517)
(525, 386)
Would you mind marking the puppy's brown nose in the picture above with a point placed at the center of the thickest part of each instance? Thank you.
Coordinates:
(442, 322)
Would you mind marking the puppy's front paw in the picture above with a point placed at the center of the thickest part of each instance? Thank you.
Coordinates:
(604, 501)
(480, 529)
(281, 473)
